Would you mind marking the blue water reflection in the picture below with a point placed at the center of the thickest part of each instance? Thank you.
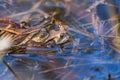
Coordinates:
(88, 58)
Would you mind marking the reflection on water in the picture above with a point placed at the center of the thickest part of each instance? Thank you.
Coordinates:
(32, 67)
(89, 57)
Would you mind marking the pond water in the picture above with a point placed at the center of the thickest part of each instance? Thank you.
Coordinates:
(90, 56)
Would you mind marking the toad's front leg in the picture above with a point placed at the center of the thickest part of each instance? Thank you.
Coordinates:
(17, 50)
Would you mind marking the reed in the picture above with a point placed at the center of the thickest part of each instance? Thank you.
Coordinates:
(116, 40)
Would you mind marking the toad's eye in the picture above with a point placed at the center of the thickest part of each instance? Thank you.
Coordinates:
(24, 24)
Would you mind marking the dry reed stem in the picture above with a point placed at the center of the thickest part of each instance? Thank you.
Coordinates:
(33, 9)
(116, 40)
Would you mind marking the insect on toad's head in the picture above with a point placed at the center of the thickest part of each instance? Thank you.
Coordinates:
(56, 8)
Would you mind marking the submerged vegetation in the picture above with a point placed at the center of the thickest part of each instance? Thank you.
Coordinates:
(55, 39)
